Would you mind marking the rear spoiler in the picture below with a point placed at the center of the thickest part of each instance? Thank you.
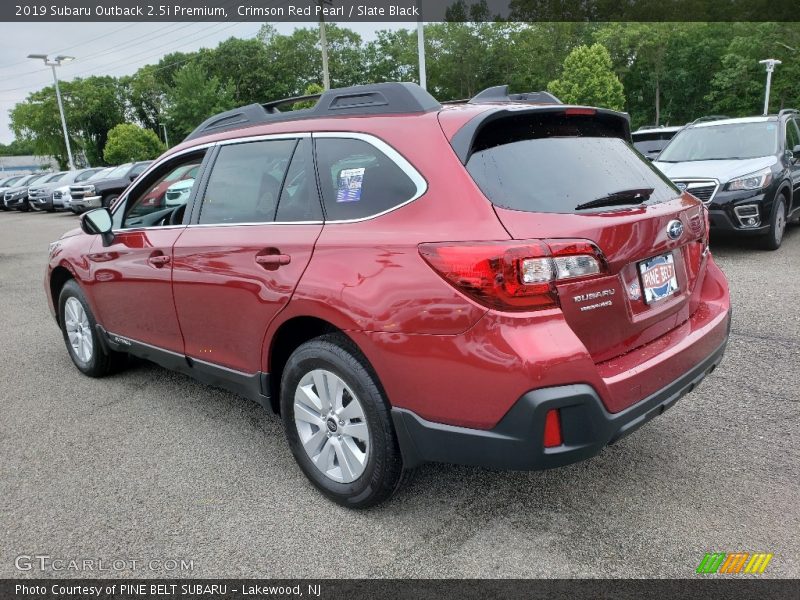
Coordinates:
(464, 138)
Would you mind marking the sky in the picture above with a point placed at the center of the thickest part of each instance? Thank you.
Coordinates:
(111, 49)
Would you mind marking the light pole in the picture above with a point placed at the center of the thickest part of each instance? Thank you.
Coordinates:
(326, 78)
(770, 65)
(164, 129)
(423, 79)
(56, 62)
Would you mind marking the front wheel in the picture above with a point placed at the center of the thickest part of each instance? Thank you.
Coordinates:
(107, 201)
(777, 225)
(80, 334)
(338, 423)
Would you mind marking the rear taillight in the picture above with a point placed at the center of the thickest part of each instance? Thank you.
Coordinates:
(513, 275)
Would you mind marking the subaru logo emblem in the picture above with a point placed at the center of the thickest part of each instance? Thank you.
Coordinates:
(681, 186)
(674, 229)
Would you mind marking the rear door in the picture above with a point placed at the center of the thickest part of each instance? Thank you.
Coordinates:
(542, 171)
(252, 234)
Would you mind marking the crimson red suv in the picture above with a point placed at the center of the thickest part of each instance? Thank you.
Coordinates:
(503, 282)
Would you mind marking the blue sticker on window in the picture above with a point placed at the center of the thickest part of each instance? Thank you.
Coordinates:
(350, 181)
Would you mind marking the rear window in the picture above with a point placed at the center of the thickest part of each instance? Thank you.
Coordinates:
(554, 163)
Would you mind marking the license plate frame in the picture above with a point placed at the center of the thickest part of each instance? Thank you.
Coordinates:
(658, 278)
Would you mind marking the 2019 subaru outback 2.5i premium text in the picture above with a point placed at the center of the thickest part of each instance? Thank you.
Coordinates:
(494, 283)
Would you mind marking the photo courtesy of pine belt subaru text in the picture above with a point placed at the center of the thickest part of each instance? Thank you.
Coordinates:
(502, 282)
(746, 171)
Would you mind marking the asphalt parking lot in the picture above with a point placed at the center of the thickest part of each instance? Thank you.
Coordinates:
(148, 464)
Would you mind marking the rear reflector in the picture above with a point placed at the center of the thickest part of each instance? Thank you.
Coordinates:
(513, 275)
(552, 429)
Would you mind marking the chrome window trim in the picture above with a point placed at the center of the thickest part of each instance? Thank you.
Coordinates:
(419, 181)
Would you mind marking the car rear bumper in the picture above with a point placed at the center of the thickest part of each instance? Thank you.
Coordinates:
(516, 442)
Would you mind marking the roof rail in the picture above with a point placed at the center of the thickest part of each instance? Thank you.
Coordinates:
(499, 93)
(374, 99)
(710, 118)
(787, 111)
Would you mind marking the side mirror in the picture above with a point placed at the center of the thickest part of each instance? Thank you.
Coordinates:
(796, 151)
(132, 177)
(98, 222)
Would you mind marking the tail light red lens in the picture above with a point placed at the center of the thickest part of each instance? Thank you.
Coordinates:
(552, 429)
(513, 275)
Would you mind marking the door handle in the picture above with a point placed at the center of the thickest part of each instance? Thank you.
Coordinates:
(273, 260)
(158, 261)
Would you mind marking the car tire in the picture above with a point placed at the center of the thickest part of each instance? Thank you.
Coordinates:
(24, 207)
(107, 201)
(81, 337)
(353, 456)
(777, 224)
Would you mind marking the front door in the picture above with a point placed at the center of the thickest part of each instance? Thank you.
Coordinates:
(132, 277)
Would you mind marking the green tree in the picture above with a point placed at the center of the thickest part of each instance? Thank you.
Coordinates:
(194, 97)
(588, 78)
(92, 107)
(17, 148)
(128, 142)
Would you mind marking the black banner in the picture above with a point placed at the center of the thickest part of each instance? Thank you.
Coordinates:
(345, 11)
(327, 589)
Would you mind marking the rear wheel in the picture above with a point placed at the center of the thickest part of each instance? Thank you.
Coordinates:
(338, 423)
(80, 334)
(777, 225)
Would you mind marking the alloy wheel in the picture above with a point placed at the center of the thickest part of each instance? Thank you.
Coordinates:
(331, 424)
(79, 331)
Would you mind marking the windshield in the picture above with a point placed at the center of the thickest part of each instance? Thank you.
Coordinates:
(86, 175)
(558, 174)
(731, 141)
(40, 178)
(119, 171)
(11, 181)
(101, 174)
(55, 177)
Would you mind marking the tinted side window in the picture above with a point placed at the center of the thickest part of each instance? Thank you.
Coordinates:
(245, 182)
(357, 180)
(299, 198)
(792, 136)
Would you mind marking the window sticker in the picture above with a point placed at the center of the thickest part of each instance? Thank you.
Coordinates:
(350, 181)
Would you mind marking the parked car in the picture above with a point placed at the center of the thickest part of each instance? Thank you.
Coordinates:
(499, 283)
(651, 140)
(745, 170)
(104, 192)
(6, 184)
(178, 193)
(40, 194)
(171, 191)
(17, 197)
(67, 195)
(53, 195)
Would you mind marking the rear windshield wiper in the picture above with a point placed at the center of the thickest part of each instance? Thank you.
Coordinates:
(623, 197)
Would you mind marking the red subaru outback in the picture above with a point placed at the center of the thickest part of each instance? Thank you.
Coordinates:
(503, 282)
